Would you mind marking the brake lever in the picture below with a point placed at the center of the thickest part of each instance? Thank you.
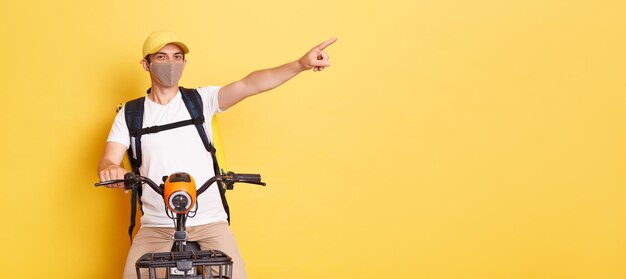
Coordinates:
(230, 184)
(109, 182)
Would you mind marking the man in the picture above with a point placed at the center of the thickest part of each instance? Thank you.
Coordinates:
(182, 149)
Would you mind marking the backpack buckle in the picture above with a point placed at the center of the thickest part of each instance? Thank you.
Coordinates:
(198, 121)
(152, 130)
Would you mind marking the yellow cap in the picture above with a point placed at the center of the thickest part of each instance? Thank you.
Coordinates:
(159, 39)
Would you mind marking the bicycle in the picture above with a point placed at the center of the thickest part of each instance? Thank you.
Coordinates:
(185, 260)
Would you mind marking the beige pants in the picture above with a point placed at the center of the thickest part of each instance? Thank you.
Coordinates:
(217, 236)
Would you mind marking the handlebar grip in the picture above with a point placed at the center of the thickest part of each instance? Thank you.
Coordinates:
(133, 181)
(242, 178)
(247, 177)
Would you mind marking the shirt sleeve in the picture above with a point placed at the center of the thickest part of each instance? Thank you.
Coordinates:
(119, 130)
(210, 101)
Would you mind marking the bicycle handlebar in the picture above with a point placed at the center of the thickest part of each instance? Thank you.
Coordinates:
(131, 181)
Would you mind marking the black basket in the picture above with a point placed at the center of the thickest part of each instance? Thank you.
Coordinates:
(209, 264)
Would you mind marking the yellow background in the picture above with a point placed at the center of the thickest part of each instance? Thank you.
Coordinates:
(450, 139)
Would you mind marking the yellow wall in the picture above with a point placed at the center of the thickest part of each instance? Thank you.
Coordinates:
(450, 139)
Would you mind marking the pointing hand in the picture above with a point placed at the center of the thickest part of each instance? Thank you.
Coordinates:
(316, 58)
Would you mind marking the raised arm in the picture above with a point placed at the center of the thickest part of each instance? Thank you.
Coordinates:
(264, 80)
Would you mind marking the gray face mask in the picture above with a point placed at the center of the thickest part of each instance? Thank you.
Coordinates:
(167, 73)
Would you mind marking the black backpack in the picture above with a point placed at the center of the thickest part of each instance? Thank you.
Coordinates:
(133, 112)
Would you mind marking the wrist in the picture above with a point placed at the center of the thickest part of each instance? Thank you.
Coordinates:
(301, 65)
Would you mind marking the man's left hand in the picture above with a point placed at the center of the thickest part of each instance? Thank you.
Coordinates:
(316, 58)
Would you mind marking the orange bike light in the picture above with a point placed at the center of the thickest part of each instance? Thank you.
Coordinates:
(180, 192)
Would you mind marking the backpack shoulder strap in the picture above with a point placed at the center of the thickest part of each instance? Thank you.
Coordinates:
(133, 114)
(193, 102)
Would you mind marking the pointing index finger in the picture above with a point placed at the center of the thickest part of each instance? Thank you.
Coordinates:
(325, 44)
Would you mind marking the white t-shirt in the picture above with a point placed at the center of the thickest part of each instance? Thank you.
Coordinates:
(176, 150)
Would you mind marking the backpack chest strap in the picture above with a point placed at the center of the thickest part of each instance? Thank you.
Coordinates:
(159, 128)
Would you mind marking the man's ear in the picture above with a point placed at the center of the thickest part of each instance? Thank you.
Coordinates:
(145, 65)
